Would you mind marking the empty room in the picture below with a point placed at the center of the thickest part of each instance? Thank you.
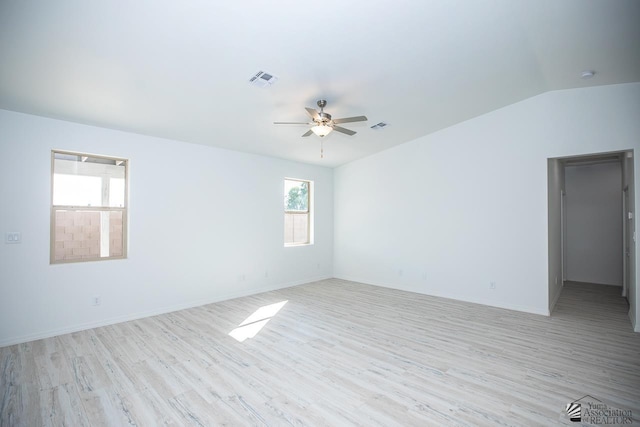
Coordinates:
(363, 213)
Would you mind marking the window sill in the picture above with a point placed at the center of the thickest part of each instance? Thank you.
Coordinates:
(296, 245)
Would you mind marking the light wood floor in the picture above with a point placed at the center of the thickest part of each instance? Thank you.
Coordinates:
(337, 353)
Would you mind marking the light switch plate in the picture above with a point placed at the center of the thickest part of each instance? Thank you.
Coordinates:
(13, 237)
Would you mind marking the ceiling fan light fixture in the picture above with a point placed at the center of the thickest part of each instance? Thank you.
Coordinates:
(322, 130)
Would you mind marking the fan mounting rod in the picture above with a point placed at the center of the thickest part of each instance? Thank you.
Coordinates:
(323, 117)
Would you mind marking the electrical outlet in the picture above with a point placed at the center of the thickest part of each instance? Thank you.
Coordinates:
(492, 285)
(96, 300)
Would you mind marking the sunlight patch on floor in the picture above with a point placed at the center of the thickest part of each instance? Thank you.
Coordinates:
(250, 327)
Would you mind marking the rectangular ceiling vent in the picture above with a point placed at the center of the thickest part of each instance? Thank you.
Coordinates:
(263, 79)
(379, 126)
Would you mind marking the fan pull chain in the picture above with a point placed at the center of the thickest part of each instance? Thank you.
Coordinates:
(321, 149)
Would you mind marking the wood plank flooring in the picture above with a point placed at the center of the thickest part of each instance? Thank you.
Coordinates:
(337, 353)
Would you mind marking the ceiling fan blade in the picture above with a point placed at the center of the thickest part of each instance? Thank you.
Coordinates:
(350, 119)
(291, 123)
(343, 130)
(312, 113)
(307, 133)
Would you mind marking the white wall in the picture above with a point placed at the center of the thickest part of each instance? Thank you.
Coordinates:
(200, 218)
(445, 215)
(593, 198)
(451, 212)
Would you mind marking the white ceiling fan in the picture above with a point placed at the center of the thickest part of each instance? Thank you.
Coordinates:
(322, 123)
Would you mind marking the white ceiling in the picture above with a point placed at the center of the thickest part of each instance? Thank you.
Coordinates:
(180, 69)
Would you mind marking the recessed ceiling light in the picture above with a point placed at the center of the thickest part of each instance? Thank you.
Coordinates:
(587, 74)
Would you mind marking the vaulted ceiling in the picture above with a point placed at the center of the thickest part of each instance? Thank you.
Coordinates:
(180, 69)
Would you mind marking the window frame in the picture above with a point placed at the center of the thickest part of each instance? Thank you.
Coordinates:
(308, 212)
(54, 208)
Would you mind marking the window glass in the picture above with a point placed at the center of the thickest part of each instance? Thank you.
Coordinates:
(89, 217)
(77, 190)
(116, 192)
(296, 195)
(297, 214)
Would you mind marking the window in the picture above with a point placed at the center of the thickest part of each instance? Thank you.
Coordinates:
(88, 207)
(297, 212)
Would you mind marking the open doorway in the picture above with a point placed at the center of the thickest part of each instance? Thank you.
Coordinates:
(590, 200)
(592, 225)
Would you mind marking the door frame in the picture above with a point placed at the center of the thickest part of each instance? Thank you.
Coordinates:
(630, 284)
(626, 267)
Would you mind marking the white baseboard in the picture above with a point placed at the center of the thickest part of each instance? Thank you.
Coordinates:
(632, 316)
(139, 315)
(555, 298)
(489, 303)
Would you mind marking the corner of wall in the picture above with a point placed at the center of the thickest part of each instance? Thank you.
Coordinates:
(555, 298)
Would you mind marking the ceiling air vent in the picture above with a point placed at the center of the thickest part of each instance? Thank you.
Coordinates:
(379, 126)
(263, 79)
